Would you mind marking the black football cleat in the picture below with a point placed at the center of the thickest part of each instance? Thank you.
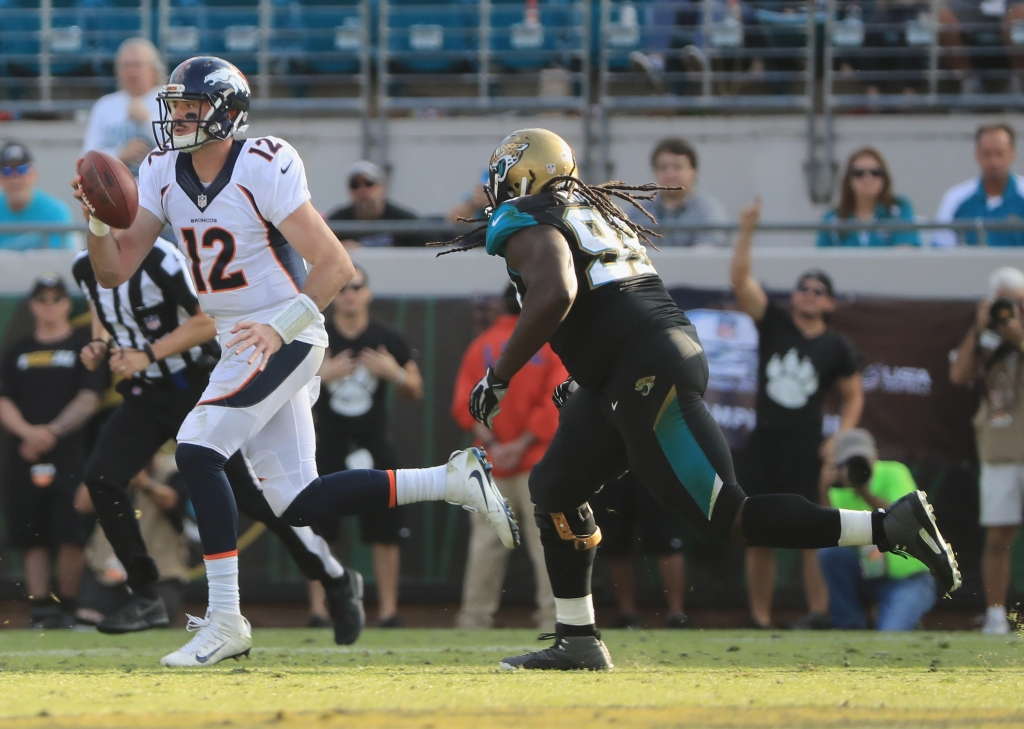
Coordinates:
(910, 531)
(49, 616)
(569, 653)
(345, 604)
(139, 614)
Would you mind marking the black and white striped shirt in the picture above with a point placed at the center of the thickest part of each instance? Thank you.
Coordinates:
(158, 297)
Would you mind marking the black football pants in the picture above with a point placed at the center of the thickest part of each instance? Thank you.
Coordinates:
(147, 419)
(648, 418)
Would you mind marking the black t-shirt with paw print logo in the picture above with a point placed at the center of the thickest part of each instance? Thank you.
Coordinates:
(355, 405)
(795, 373)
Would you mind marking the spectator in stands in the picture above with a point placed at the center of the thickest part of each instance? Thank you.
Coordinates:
(800, 359)
(902, 589)
(866, 195)
(23, 203)
(996, 194)
(474, 203)
(623, 508)
(522, 431)
(121, 123)
(160, 500)
(364, 356)
(368, 190)
(987, 23)
(674, 162)
(990, 357)
(46, 397)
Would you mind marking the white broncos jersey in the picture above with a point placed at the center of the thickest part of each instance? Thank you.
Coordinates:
(242, 266)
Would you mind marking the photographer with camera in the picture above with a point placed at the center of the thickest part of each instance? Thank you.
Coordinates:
(902, 589)
(990, 356)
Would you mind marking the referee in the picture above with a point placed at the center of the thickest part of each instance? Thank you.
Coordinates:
(154, 334)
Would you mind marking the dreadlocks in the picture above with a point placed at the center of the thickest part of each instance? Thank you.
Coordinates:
(597, 196)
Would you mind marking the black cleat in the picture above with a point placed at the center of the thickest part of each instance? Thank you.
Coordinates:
(139, 614)
(910, 531)
(677, 621)
(569, 653)
(345, 603)
(49, 616)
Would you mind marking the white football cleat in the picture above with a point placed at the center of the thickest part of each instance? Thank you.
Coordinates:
(220, 635)
(470, 486)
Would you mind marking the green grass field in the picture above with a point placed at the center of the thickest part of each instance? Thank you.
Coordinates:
(448, 679)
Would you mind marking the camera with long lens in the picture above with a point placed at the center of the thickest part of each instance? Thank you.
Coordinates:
(1002, 311)
(858, 471)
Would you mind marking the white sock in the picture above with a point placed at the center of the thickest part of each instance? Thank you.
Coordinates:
(996, 612)
(854, 528)
(574, 610)
(420, 484)
(222, 576)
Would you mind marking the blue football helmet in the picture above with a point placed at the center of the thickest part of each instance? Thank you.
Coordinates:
(225, 112)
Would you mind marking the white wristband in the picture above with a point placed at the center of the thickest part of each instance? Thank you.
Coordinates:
(97, 227)
(294, 318)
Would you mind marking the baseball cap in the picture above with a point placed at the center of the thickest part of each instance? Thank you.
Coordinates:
(821, 277)
(365, 168)
(49, 281)
(14, 154)
(855, 442)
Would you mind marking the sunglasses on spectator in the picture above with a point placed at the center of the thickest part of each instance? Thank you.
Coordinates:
(11, 171)
(859, 172)
(352, 287)
(49, 300)
(805, 289)
(360, 183)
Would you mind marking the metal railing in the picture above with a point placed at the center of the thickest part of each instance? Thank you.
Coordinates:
(442, 228)
(706, 55)
(921, 55)
(483, 56)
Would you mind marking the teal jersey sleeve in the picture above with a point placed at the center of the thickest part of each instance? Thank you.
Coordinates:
(505, 221)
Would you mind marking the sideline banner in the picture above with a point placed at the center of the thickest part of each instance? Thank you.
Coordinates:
(910, 406)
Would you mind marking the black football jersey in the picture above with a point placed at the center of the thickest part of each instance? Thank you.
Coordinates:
(619, 294)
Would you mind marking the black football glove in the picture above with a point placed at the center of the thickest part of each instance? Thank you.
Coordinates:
(483, 401)
(562, 392)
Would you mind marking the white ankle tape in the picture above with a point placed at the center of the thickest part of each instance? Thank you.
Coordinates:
(574, 610)
(294, 318)
(854, 528)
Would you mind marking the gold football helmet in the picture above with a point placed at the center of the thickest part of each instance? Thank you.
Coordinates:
(525, 160)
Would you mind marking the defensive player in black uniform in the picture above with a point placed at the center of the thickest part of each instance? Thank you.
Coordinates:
(155, 335)
(638, 378)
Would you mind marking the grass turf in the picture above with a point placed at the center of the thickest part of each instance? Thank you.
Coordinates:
(448, 680)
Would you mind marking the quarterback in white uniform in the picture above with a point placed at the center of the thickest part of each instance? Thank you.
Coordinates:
(242, 215)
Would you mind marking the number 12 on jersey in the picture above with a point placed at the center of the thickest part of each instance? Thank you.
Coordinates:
(618, 255)
(219, 279)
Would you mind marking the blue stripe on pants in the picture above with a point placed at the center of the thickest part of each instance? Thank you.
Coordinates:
(690, 465)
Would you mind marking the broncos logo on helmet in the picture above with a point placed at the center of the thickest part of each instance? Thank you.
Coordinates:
(231, 76)
(223, 110)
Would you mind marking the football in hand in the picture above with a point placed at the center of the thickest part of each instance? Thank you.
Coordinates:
(108, 189)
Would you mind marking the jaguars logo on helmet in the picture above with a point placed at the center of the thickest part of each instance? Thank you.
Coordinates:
(525, 161)
(224, 98)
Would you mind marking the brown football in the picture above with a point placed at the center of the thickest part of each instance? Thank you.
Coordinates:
(108, 189)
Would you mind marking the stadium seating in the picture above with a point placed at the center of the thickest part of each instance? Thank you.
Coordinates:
(724, 51)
